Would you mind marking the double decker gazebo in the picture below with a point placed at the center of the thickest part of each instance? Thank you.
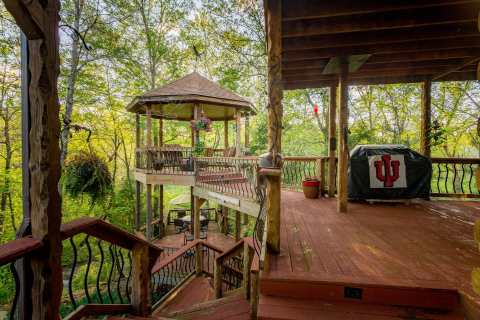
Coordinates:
(192, 98)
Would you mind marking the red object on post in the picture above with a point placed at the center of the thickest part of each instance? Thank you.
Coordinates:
(315, 108)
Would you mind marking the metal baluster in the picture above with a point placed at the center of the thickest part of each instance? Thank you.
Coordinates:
(70, 278)
(120, 272)
(446, 178)
(16, 279)
(471, 179)
(112, 258)
(463, 178)
(89, 261)
(129, 277)
(99, 293)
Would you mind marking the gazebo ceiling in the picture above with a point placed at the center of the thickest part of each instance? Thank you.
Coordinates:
(177, 99)
(407, 40)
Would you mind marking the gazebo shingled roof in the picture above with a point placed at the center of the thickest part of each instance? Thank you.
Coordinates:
(176, 100)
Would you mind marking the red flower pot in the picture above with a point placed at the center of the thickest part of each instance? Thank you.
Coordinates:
(311, 188)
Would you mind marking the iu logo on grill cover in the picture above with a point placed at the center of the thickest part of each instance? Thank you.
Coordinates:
(387, 171)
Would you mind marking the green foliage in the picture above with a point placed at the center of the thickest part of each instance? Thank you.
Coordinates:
(86, 173)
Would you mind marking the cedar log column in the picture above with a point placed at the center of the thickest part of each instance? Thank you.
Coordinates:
(225, 134)
(247, 131)
(342, 196)
(426, 118)
(137, 163)
(161, 226)
(273, 17)
(332, 141)
(39, 21)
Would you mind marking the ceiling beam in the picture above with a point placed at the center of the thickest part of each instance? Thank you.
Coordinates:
(389, 20)
(457, 76)
(308, 9)
(430, 45)
(373, 37)
(438, 64)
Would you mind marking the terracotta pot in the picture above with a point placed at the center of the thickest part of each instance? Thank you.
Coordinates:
(311, 188)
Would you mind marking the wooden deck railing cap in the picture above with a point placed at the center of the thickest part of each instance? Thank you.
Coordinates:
(18, 248)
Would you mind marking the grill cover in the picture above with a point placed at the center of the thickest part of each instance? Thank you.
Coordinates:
(388, 172)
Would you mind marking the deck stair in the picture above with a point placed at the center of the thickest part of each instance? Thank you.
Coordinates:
(286, 297)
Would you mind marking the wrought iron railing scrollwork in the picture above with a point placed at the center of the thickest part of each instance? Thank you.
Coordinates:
(455, 177)
(259, 228)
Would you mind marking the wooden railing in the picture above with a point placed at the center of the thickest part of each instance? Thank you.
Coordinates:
(297, 169)
(102, 265)
(455, 177)
(170, 160)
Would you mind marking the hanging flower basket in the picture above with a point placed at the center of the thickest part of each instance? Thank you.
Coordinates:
(203, 123)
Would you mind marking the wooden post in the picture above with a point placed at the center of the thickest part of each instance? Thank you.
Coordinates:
(198, 258)
(196, 217)
(217, 278)
(426, 118)
(149, 212)
(237, 226)
(247, 132)
(39, 21)
(224, 226)
(321, 174)
(192, 209)
(141, 273)
(273, 15)
(161, 207)
(332, 141)
(138, 206)
(196, 116)
(149, 127)
(273, 203)
(343, 138)
(225, 134)
(245, 219)
(247, 263)
(255, 279)
(238, 134)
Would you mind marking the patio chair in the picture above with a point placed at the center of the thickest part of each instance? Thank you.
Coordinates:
(179, 225)
(188, 236)
(204, 225)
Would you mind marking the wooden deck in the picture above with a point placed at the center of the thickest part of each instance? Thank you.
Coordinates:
(424, 250)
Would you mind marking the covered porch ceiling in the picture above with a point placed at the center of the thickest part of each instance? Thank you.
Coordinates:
(393, 41)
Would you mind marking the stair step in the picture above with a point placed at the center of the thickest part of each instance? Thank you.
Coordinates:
(234, 306)
(282, 308)
(371, 293)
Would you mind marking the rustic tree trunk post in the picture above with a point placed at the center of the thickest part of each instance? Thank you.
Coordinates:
(247, 131)
(217, 278)
(426, 118)
(141, 273)
(255, 279)
(225, 134)
(237, 225)
(273, 211)
(332, 141)
(273, 10)
(238, 134)
(39, 21)
(138, 144)
(343, 138)
(196, 117)
(247, 263)
(224, 225)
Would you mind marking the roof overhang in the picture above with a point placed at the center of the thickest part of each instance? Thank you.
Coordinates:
(405, 40)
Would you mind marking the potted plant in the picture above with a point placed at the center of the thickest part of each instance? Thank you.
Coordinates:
(311, 188)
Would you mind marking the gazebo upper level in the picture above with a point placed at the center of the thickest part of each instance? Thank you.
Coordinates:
(192, 98)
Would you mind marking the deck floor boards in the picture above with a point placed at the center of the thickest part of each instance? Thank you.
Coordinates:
(424, 242)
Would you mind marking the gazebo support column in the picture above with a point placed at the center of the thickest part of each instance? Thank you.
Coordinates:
(161, 226)
(273, 9)
(149, 145)
(247, 132)
(332, 141)
(238, 225)
(137, 183)
(342, 194)
(238, 134)
(426, 118)
(196, 217)
(225, 135)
